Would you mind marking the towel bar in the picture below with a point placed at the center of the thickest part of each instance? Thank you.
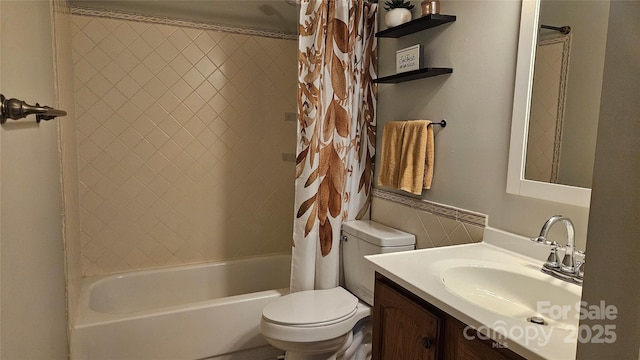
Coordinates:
(442, 123)
(563, 29)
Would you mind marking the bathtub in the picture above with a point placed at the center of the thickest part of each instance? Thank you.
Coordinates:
(187, 312)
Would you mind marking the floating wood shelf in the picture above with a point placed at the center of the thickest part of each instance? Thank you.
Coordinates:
(421, 23)
(413, 75)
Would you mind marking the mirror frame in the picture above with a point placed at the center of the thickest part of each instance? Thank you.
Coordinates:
(516, 183)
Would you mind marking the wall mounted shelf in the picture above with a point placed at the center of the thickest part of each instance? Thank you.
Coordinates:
(421, 23)
(413, 75)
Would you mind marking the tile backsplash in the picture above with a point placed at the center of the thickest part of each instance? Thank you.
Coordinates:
(433, 224)
(180, 134)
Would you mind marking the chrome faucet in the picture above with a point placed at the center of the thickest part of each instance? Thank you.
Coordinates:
(568, 264)
(568, 267)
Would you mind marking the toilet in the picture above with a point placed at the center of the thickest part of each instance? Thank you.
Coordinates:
(334, 323)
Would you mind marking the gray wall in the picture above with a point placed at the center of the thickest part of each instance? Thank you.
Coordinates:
(612, 265)
(472, 151)
(32, 315)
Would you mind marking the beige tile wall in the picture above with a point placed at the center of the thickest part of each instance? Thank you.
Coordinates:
(546, 97)
(180, 136)
(433, 224)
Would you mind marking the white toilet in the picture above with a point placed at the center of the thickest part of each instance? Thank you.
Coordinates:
(334, 323)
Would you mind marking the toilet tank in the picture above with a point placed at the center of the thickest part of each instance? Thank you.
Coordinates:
(366, 237)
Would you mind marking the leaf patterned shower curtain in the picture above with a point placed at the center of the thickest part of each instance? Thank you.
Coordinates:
(336, 132)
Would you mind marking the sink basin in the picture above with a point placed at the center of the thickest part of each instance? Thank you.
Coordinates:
(515, 293)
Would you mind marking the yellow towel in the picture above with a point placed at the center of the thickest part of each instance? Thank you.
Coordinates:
(390, 154)
(417, 157)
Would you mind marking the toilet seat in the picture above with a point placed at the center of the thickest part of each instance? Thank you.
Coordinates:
(312, 307)
(313, 315)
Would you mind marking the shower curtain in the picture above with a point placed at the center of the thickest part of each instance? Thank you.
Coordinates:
(336, 133)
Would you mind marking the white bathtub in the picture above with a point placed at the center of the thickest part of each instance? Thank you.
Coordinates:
(187, 312)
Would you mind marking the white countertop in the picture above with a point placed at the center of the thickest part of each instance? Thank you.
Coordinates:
(420, 272)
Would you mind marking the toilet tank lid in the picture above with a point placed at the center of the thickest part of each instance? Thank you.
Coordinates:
(378, 234)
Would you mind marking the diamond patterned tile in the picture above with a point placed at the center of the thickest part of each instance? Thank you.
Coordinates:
(83, 44)
(86, 99)
(143, 125)
(168, 101)
(124, 32)
(154, 62)
(183, 113)
(193, 53)
(141, 74)
(157, 137)
(206, 90)
(193, 33)
(169, 124)
(207, 113)
(102, 138)
(140, 27)
(205, 42)
(127, 86)
(193, 78)
(205, 66)
(130, 137)
(153, 37)
(155, 88)
(95, 30)
(112, 46)
(144, 150)
(180, 64)
(126, 60)
(432, 229)
(105, 163)
(179, 39)
(145, 103)
(167, 51)
(83, 71)
(195, 126)
(230, 42)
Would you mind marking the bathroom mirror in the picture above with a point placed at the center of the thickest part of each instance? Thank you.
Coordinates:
(575, 139)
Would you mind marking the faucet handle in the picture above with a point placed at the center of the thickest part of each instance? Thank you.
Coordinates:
(580, 265)
(569, 261)
(538, 239)
(553, 261)
(543, 241)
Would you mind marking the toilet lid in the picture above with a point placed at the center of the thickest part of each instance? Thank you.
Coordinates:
(311, 307)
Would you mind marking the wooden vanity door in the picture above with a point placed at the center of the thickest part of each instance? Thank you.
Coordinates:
(402, 328)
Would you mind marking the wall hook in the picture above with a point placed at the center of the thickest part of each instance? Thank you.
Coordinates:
(15, 109)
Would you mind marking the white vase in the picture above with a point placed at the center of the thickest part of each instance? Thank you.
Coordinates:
(397, 17)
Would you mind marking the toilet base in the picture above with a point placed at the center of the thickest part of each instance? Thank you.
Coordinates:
(311, 354)
(356, 345)
(319, 350)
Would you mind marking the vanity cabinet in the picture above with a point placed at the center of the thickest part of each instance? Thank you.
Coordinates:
(408, 328)
(403, 328)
